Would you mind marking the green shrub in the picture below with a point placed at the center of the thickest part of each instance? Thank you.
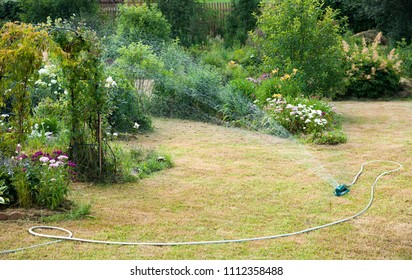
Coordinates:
(140, 23)
(274, 83)
(139, 163)
(186, 89)
(299, 34)
(302, 115)
(187, 19)
(238, 111)
(9, 10)
(332, 137)
(244, 87)
(371, 73)
(38, 10)
(127, 109)
(405, 54)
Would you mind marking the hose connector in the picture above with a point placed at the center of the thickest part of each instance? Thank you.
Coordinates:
(341, 190)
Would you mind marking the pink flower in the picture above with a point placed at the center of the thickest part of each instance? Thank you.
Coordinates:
(54, 165)
(62, 157)
(44, 159)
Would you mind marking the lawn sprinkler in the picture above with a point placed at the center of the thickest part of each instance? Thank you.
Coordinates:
(341, 190)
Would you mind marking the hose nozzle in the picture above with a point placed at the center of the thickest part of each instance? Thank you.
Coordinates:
(341, 190)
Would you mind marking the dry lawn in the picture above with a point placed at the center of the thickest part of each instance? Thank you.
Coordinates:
(230, 183)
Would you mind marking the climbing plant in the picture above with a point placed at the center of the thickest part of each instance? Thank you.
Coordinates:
(87, 109)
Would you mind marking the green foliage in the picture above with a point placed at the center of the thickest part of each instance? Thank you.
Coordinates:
(38, 10)
(333, 137)
(244, 87)
(187, 19)
(405, 54)
(354, 13)
(391, 16)
(9, 10)
(299, 34)
(371, 73)
(137, 23)
(20, 181)
(303, 116)
(140, 163)
(186, 89)
(21, 48)
(78, 212)
(241, 20)
(274, 83)
(238, 111)
(7, 191)
(88, 107)
(127, 108)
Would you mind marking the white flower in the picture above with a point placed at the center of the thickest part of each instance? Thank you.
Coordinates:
(110, 82)
(47, 134)
(308, 121)
(43, 71)
(53, 81)
(4, 116)
(115, 134)
(52, 161)
(136, 125)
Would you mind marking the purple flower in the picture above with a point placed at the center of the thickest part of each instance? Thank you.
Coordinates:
(71, 164)
(58, 152)
(21, 157)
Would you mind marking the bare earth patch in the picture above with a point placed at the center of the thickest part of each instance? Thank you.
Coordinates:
(230, 183)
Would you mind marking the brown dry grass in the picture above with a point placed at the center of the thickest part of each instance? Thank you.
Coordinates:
(231, 183)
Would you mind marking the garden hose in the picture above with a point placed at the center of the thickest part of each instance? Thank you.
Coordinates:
(70, 237)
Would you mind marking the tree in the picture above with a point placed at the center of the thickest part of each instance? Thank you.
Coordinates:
(393, 17)
(38, 10)
(241, 20)
(187, 20)
(21, 55)
(300, 34)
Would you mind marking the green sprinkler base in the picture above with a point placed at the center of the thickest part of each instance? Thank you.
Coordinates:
(341, 190)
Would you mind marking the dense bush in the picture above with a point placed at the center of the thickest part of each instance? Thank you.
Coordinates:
(405, 54)
(187, 18)
(371, 73)
(9, 10)
(186, 89)
(38, 10)
(299, 34)
(141, 23)
(241, 20)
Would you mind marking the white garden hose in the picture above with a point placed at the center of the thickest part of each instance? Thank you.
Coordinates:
(70, 237)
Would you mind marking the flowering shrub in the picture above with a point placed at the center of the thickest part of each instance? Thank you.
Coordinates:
(371, 74)
(301, 115)
(288, 83)
(40, 178)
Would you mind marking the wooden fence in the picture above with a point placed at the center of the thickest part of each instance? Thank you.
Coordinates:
(220, 9)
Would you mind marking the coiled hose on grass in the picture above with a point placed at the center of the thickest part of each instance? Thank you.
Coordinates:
(70, 237)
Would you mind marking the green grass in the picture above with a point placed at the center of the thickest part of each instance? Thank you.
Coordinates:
(229, 183)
